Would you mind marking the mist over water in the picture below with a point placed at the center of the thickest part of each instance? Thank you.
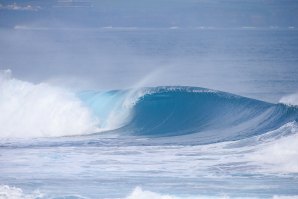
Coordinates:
(255, 63)
(41, 110)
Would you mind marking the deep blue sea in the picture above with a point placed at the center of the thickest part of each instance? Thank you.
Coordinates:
(171, 114)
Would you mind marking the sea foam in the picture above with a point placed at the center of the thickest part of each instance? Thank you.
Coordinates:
(9, 192)
(41, 110)
(139, 193)
(290, 99)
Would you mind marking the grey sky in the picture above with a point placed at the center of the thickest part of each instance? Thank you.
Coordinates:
(149, 13)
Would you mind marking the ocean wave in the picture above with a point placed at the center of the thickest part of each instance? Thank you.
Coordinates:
(212, 116)
(199, 114)
(203, 115)
(41, 110)
(139, 193)
(11, 192)
(291, 100)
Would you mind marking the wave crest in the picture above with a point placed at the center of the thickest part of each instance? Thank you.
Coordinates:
(41, 110)
(7, 192)
(139, 193)
(291, 100)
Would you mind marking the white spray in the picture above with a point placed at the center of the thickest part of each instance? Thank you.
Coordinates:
(40, 110)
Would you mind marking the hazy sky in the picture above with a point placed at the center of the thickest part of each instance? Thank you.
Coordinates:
(148, 13)
(119, 43)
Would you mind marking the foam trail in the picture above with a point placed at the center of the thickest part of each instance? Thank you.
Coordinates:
(278, 156)
(10, 192)
(7, 192)
(139, 193)
(41, 110)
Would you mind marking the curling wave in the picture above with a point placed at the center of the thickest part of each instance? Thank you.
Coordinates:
(204, 115)
(207, 115)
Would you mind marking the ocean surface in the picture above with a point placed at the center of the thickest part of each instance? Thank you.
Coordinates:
(219, 121)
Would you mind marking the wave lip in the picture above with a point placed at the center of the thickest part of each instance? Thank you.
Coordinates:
(139, 193)
(291, 100)
(8, 192)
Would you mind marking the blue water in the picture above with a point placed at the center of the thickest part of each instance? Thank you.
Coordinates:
(182, 111)
(234, 139)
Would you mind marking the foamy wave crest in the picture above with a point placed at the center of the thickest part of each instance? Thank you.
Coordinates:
(139, 193)
(7, 192)
(10, 192)
(290, 99)
(41, 110)
(279, 155)
(285, 197)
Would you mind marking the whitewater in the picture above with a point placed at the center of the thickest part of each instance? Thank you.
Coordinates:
(167, 142)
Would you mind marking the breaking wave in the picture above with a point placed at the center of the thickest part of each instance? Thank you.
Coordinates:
(208, 116)
(41, 110)
(10, 192)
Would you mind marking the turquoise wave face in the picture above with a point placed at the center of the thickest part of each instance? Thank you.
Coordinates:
(108, 106)
(198, 114)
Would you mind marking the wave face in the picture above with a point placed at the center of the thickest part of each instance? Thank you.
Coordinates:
(210, 116)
